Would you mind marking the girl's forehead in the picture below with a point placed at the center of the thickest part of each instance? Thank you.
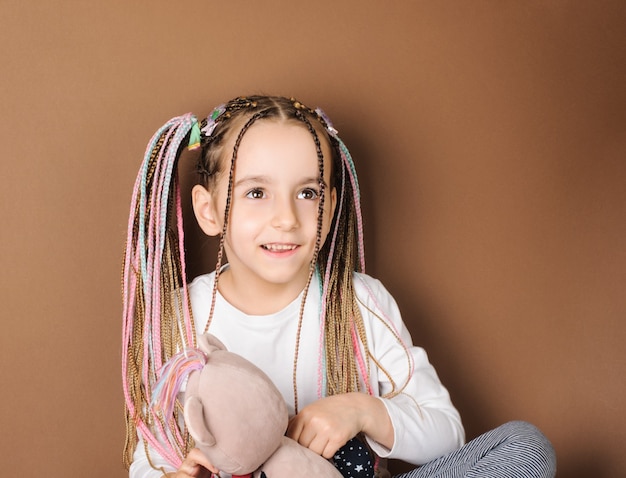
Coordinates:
(272, 143)
(278, 133)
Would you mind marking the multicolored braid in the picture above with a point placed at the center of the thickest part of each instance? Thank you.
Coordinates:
(156, 312)
(158, 322)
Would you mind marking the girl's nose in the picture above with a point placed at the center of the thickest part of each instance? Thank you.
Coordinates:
(284, 214)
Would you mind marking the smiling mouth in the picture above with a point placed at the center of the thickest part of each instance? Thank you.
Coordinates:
(279, 247)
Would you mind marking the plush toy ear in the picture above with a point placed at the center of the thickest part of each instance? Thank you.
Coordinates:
(194, 418)
(209, 343)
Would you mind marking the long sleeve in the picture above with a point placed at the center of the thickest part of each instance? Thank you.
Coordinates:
(426, 424)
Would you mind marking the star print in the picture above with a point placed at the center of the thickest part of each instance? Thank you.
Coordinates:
(358, 468)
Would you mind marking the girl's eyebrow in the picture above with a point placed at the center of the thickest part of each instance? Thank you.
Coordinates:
(315, 180)
(253, 180)
(267, 180)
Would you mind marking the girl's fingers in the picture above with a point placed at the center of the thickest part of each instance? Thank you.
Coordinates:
(318, 444)
(196, 465)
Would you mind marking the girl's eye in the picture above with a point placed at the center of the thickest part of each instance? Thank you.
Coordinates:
(308, 193)
(255, 194)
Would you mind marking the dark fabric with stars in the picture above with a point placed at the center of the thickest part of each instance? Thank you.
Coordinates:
(354, 460)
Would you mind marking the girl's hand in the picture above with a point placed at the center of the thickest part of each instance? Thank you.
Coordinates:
(195, 465)
(326, 425)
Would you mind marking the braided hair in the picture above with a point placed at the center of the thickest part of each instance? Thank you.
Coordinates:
(344, 336)
(157, 313)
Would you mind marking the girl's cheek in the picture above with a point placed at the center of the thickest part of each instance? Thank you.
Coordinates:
(308, 212)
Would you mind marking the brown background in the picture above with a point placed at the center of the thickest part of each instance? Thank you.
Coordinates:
(490, 141)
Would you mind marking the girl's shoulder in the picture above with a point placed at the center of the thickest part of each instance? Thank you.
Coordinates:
(200, 292)
(379, 309)
(365, 282)
(371, 292)
(202, 281)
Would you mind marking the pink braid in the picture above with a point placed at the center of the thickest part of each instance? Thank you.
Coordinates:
(181, 248)
(358, 353)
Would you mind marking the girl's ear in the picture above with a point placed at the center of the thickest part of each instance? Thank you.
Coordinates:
(205, 210)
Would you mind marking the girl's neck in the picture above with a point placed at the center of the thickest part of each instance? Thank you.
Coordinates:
(257, 299)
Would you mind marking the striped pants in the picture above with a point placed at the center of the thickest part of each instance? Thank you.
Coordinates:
(513, 450)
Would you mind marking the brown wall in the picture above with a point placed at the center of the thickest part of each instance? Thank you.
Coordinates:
(490, 141)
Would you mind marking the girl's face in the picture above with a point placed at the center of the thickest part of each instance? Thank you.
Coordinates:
(272, 230)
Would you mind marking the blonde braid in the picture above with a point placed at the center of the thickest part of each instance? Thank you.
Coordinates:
(342, 312)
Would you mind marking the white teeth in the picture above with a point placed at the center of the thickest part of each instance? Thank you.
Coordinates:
(279, 247)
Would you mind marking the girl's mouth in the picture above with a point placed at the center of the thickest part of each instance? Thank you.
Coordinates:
(279, 247)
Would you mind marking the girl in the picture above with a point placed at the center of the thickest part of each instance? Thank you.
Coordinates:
(279, 188)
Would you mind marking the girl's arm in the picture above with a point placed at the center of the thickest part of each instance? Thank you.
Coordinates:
(425, 423)
(326, 425)
(416, 425)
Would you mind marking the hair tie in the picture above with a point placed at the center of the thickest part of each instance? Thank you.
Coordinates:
(211, 121)
(325, 120)
(194, 136)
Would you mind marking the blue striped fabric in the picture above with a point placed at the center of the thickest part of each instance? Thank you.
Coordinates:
(513, 450)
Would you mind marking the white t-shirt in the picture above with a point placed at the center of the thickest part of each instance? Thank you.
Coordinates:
(426, 424)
